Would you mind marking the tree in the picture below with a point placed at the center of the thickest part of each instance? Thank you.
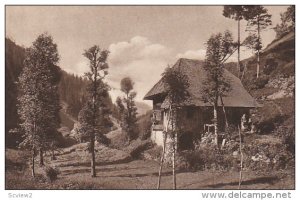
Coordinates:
(237, 13)
(128, 109)
(92, 115)
(38, 105)
(176, 82)
(287, 22)
(258, 20)
(215, 86)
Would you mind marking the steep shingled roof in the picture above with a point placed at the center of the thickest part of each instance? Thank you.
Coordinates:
(237, 97)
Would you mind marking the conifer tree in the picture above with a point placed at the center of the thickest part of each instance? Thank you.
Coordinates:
(237, 13)
(287, 22)
(127, 108)
(258, 20)
(93, 116)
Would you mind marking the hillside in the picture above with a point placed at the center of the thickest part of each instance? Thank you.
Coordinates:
(14, 56)
(71, 91)
(142, 108)
(280, 54)
(275, 87)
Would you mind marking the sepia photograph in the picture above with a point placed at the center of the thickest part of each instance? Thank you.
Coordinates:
(149, 97)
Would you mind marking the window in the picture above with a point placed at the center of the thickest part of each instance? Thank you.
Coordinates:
(157, 116)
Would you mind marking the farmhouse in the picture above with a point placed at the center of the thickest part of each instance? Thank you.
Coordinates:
(196, 115)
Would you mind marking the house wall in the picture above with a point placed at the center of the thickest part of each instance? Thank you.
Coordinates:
(157, 137)
(192, 120)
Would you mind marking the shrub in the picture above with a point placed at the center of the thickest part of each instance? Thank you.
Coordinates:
(51, 173)
(136, 147)
(268, 156)
(260, 82)
(270, 66)
(120, 141)
(207, 157)
(289, 69)
(266, 126)
(103, 139)
(256, 83)
(289, 139)
(153, 153)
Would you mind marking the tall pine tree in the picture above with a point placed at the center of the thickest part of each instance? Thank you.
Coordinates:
(237, 13)
(93, 117)
(258, 20)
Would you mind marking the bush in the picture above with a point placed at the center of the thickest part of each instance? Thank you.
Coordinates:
(206, 157)
(266, 126)
(51, 173)
(266, 156)
(288, 137)
(289, 69)
(103, 139)
(136, 147)
(270, 66)
(260, 82)
(153, 153)
(120, 141)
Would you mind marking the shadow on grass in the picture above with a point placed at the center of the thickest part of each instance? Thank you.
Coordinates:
(128, 175)
(87, 170)
(260, 180)
(141, 175)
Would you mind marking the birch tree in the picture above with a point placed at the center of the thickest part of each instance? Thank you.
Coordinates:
(38, 105)
(177, 85)
(92, 114)
(215, 86)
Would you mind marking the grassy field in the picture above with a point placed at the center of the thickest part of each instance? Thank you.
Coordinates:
(141, 174)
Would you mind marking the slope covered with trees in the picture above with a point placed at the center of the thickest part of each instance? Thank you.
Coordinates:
(14, 57)
(274, 89)
(71, 91)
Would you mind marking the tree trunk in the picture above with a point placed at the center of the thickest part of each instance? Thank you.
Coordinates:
(239, 46)
(244, 71)
(257, 70)
(174, 162)
(242, 157)
(258, 48)
(53, 155)
(93, 164)
(162, 160)
(164, 147)
(32, 162)
(216, 122)
(226, 121)
(41, 157)
(174, 135)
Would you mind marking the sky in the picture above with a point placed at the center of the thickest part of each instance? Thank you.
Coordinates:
(142, 40)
